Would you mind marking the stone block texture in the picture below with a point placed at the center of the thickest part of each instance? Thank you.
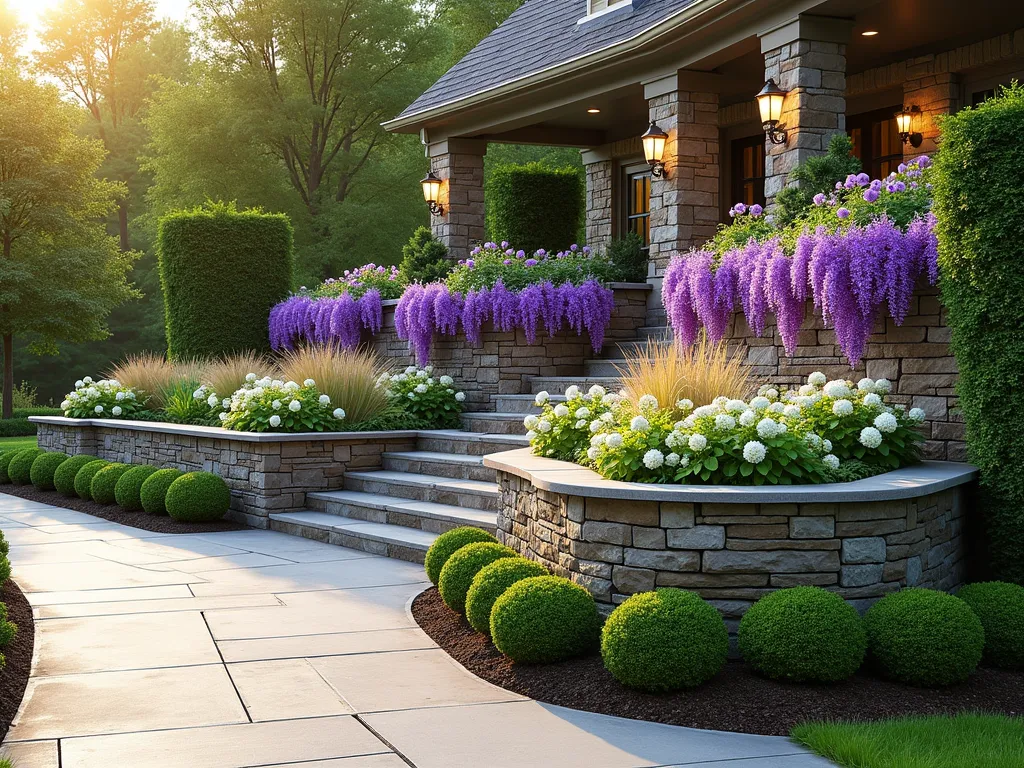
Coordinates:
(263, 477)
(460, 162)
(600, 210)
(732, 554)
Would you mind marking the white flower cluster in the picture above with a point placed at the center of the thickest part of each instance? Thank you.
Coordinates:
(102, 399)
(416, 383)
(268, 402)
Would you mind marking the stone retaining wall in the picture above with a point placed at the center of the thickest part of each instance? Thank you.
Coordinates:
(504, 362)
(732, 553)
(267, 475)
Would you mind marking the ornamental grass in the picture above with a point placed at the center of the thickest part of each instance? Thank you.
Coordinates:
(155, 377)
(672, 372)
(226, 375)
(349, 377)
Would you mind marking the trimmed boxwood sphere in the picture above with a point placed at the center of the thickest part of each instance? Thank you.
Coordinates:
(1000, 607)
(803, 634)
(20, 468)
(544, 619)
(103, 483)
(198, 497)
(43, 468)
(154, 490)
(83, 479)
(447, 544)
(924, 637)
(458, 572)
(5, 460)
(664, 640)
(490, 583)
(128, 491)
(64, 477)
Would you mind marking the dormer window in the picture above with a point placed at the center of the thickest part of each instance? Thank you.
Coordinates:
(597, 8)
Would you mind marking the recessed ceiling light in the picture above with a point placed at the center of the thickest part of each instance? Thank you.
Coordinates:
(593, 111)
(869, 33)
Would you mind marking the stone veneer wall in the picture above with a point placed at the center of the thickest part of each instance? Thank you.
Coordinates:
(504, 362)
(915, 357)
(265, 476)
(732, 553)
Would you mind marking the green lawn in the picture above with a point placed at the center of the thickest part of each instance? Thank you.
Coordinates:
(16, 444)
(962, 741)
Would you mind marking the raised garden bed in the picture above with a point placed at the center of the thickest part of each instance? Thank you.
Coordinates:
(14, 675)
(737, 699)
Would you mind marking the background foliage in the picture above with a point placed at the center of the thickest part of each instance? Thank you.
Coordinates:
(536, 206)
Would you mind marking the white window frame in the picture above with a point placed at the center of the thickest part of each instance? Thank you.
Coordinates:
(617, 6)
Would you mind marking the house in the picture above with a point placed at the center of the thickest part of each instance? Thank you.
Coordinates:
(596, 74)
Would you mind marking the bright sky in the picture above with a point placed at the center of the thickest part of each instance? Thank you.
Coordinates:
(31, 12)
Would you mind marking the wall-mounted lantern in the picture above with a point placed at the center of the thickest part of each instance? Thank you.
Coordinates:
(654, 150)
(905, 125)
(432, 193)
(769, 103)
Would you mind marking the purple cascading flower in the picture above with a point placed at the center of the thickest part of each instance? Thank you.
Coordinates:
(330, 320)
(819, 199)
(843, 213)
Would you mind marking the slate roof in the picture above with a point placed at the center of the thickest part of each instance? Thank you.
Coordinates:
(539, 35)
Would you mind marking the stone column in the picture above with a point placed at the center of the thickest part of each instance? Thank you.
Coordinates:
(807, 58)
(600, 212)
(684, 203)
(935, 94)
(460, 163)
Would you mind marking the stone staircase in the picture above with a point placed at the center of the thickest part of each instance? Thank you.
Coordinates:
(399, 510)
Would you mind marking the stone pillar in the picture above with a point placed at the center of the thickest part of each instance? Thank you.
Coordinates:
(600, 212)
(684, 203)
(460, 163)
(807, 58)
(935, 95)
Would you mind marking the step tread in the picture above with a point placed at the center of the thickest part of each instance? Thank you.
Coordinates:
(437, 457)
(407, 506)
(479, 437)
(481, 487)
(413, 538)
(494, 415)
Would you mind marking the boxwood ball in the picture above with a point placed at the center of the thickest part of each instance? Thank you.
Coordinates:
(5, 460)
(924, 637)
(153, 493)
(664, 640)
(43, 468)
(20, 468)
(104, 482)
(544, 619)
(64, 476)
(84, 476)
(490, 583)
(128, 491)
(803, 634)
(198, 497)
(447, 544)
(999, 606)
(462, 566)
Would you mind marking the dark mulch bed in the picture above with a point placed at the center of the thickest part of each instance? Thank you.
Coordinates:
(143, 520)
(737, 699)
(14, 675)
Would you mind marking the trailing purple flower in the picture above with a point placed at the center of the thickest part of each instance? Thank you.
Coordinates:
(331, 320)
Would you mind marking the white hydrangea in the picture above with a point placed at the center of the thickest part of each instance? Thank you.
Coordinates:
(598, 439)
(768, 428)
(614, 440)
(79, 384)
(597, 391)
(886, 422)
(446, 381)
(583, 412)
(871, 400)
(704, 410)
(697, 442)
(295, 406)
(842, 407)
(611, 399)
(777, 408)
(831, 460)
(339, 413)
(866, 385)
(883, 386)
(686, 404)
(309, 383)
(460, 397)
(98, 409)
(806, 390)
(771, 393)
(870, 437)
(116, 410)
(276, 405)
(792, 411)
(421, 389)
(541, 398)
(836, 388)
(572, 392)
(593, 453)
(543, 426)
(720, 401)
(736, 406)
(654, 458)
(760, 403)
(607, 417)
(817, 379)
(813, 440)
(747, 418)
(639, 424)
(275, 420)
(530, 435)
(561, 410)
(65, 404)
(917, 414)
(581, 424)
(725, 421)
(648, 402)
(530, 421)
(411, 370)
(826, 446)
(754, 452)
(672, 460)
(595, 425)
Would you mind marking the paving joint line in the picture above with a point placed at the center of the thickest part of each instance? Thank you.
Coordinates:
(401, 756)
(225, 666)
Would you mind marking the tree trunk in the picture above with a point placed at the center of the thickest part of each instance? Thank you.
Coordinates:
(8, 406)
(122, 221)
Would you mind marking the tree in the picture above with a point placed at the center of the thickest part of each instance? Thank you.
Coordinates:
(12, 36)
(470, 21)
(60, 273)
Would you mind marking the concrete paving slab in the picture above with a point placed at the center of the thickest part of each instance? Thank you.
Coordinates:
(59, 577)
(415, 679)
(304, 577)
(556, 737)
(34, 513)
(333, 644)
(126, 702)
(273, 543)
(164, 547)
(316, 613)
(234, 746)
(127, 594)
(110, 643)
(170, 605)
(224, 563)
(285, 690)
(70, 552)
(32, 754)
(370, 761)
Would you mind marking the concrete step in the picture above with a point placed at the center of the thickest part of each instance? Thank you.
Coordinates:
(556, 385)
(523, 404)
(601, 368)
(455, 465)
(469, 443)
(625, 349)
(657, 332)
(378, 508)
(495, 423)
(472, 494)
(376, 538)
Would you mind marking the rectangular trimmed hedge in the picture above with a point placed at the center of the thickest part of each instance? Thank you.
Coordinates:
(221, 271)
(534, 206)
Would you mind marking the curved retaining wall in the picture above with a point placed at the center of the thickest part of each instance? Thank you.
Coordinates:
(733, 544)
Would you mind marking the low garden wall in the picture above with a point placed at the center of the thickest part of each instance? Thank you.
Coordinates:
(504, 362)
(734, 544)
(265, 472)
